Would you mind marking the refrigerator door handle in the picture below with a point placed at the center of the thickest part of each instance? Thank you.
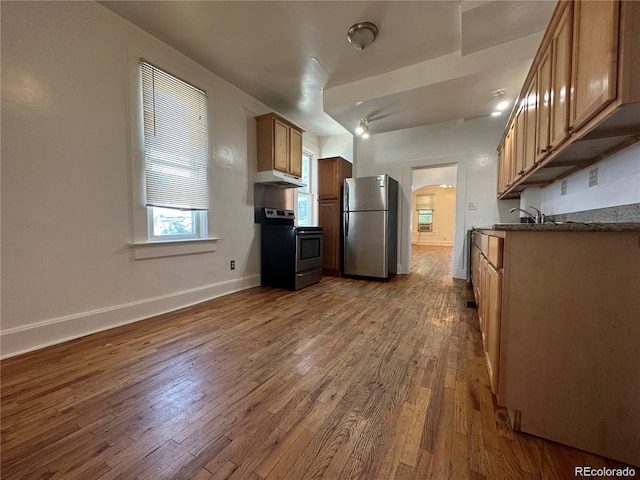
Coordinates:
(346, 196)
(346, 224)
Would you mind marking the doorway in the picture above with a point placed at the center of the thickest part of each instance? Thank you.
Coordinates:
(433, 206)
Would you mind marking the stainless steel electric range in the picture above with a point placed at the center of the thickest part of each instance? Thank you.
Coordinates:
(291, 256)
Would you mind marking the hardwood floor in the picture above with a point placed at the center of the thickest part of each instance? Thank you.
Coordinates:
(344, 379)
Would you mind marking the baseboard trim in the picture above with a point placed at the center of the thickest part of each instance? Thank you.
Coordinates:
(434, 243)
(19, 340)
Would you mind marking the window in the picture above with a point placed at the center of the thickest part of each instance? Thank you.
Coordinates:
(424, 205)
(305, 197)
(175, 156)
(425, 220)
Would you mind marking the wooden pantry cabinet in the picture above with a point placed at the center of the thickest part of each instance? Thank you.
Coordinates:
(279, 144)
(580, 101)
(558, 311)
(331, 174)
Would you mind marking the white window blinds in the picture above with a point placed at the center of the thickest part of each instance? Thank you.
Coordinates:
(175, 141)
(424, 201)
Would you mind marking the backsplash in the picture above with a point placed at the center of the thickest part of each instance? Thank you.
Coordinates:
(621, 213)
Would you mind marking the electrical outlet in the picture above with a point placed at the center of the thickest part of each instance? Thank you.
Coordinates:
(472, 206)
(593, 177)
(563, 187)
(232, 265)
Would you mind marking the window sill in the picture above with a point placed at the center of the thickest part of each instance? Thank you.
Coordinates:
(170, 248)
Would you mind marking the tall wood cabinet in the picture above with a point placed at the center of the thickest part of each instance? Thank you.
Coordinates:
(331, 174)
(279, 144)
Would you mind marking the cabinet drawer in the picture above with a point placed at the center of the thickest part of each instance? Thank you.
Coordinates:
(494, 254)
(484, 244)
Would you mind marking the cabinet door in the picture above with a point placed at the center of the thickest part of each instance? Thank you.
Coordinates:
(295, 149)
(501, 165)
(561, 78)
(328, 178)
(595, 56)
(482, 305)
(280, 145)
(492, 325)
(542, 148)
(529, 140)
(329, 219)
(519, 141)
(509, 160)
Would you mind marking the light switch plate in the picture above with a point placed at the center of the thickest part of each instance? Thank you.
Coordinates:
(593, 177)
(563, 187)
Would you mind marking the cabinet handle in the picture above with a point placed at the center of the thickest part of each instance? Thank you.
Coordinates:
(569, 129)
(520, 172)
(543, 150)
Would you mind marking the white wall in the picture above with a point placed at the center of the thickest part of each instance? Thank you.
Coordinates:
(337, 146)
(67, 268)
(471, 145)
(433, 176)
(618, 184)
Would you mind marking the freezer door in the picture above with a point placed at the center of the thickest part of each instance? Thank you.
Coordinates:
(365, 244)
(366, 193)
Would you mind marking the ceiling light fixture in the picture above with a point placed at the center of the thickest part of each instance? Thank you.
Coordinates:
(362, 129)
(502, 105)
(362, 34)
(501, 92)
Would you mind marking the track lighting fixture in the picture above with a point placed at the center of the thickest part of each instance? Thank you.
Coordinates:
(362, 129)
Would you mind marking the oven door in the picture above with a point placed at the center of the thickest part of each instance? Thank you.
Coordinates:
(308, 249)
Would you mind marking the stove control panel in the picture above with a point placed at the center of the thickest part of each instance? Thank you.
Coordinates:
(279, 213)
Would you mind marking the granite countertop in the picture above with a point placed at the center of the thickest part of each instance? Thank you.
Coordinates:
(564, 227)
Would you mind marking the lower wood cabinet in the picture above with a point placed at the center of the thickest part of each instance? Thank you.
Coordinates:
(560, 320)
(330, 220)
(487, 280)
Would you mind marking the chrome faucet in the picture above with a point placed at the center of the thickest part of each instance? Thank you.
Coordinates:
(538, 218)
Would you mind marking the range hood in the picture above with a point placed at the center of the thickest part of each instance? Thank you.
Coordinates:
(279, 179)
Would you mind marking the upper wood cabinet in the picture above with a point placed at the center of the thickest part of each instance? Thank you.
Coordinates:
(560, 80)
(295, 146)
(279, 144)
(581, 99)
(530, 133)
(595, 54)
(331, 174)
(543, 96)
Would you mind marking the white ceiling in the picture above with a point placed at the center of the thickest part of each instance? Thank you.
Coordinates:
(433, 61)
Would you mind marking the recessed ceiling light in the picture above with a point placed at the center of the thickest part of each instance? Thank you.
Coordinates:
(496, 114)
(502, 105)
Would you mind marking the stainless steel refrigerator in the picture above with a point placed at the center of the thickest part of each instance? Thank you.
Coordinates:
(370, 226)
